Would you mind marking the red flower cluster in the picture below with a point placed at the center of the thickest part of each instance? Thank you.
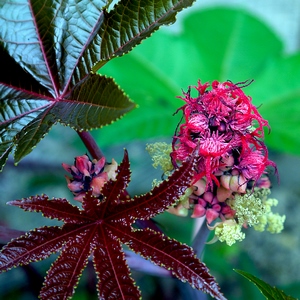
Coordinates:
(226, 129)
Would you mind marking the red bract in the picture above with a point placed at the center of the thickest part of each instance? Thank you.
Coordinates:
(99, 229)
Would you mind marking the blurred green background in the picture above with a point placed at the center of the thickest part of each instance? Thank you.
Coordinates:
(229, 42)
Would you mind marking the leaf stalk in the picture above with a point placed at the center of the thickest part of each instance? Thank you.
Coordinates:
(90, 144)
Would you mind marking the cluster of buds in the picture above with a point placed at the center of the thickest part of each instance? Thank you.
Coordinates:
(227, 131)
(88, 175)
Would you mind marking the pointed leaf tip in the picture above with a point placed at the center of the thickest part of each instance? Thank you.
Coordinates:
(93, 103)
(52, 90)
(271, 293)
(174, 256)
(160, 197)
(129, 23)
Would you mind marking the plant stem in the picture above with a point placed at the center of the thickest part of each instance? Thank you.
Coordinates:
(90, 144)
(198, 244)
(201, 235)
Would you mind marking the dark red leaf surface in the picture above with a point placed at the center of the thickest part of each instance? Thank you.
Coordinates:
(64, 273)
(114, 281)
(58, 208)
(174, 256)
(33, 246)
(99, 229)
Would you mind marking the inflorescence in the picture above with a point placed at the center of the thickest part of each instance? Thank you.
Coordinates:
(231, 184)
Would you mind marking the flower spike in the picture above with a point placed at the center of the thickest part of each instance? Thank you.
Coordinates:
(223, 125)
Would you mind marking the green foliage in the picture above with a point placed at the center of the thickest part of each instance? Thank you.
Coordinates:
(278, 92)
(271, 293)
(213, 44)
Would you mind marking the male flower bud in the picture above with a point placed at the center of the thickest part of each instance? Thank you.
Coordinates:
(89, 174)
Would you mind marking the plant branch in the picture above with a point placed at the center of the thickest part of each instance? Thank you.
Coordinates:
(90, 144)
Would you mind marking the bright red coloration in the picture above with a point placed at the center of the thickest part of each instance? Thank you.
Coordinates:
(226, 129)
(220, 121)
(98, 230)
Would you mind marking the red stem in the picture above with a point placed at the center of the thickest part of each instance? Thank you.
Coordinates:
(90, 144)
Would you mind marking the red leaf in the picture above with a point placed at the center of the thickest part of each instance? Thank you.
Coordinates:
(157, 200)
(64, 274)
(98, 230)
(118, 186)
(33, 246)
(90, 204)
(114, 281)
(57, 208)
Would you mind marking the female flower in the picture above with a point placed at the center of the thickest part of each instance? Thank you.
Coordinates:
(221, 122)
(226, 130)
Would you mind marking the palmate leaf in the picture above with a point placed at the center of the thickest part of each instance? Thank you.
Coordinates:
(33, 246)
(99, 229)
(42, 44)
(48, 50)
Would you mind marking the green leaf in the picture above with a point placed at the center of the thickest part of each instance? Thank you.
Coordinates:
(32, 133)
(27, 117)
(232, 44)
(218, 43)
(106, 103)
(271, 293)
(144, 122)
(96, 100)
(279, 100)
(48, 37)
